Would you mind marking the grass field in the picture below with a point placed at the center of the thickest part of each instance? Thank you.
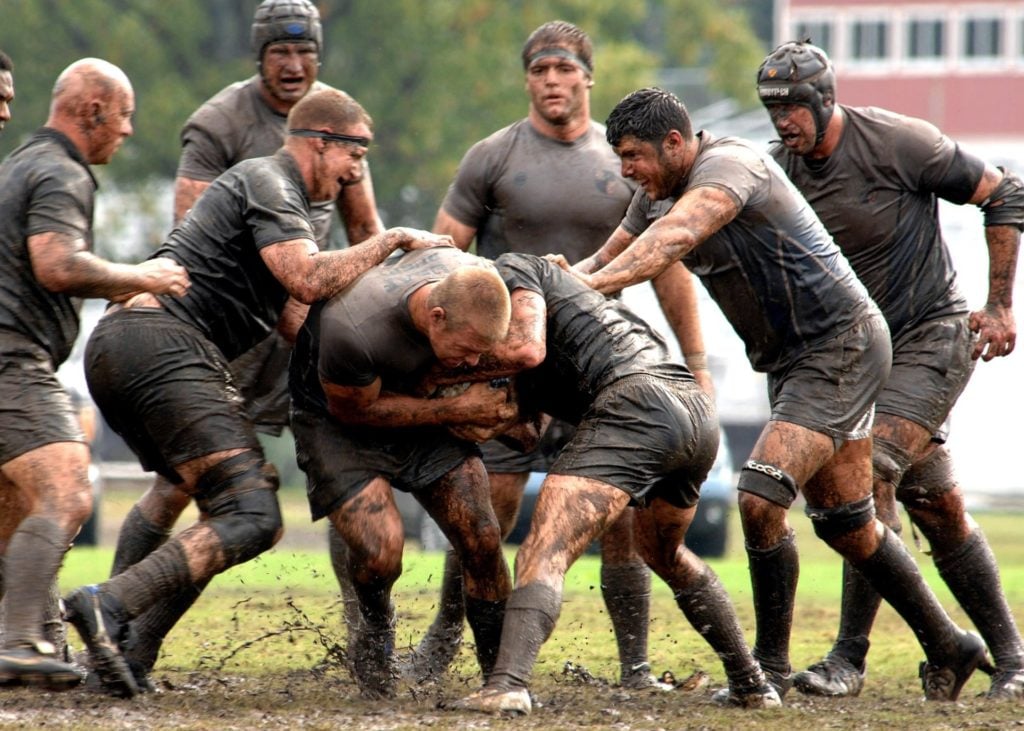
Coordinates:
(258, 651)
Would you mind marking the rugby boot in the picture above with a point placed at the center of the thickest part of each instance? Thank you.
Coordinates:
(944, 682)
(763, 696)
(37, 666)
(834, 677)
(780, 680)
(100, 621)
(496, 700)
(1006, 685)
(639, 677)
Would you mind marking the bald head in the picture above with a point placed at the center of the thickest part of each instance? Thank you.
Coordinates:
(93, 104)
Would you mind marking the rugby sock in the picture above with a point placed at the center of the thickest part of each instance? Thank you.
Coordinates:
(161, 574)
(485, 619)
(972, 574)
(33, 557)
(446, 629)
(706, 606)
(54, 630)
(626, 589)
(138, 538)
(151, 627)
(858, 608)
(530, 616)
(893, 573)
(773, 576)
(338, 550)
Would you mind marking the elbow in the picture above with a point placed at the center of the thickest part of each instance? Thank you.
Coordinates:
(305, 294)
(55, 282)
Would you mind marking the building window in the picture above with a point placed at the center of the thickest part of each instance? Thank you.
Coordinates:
(983, 37)
(926, 39)
(870, 41)
(818, 31)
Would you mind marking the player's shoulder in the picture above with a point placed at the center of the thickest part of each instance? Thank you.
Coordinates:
(225, 104)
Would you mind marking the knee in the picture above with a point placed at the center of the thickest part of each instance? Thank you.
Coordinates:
(928, 482)
(764, 522)
(843, 524)
(478, 543)
(243, 509)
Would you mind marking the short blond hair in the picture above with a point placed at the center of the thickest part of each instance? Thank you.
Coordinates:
(474, 296)
(328, 108)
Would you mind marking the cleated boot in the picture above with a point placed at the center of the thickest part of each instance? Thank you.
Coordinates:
(36, 666)
(765, 696)
(833, 677)
(496, 700)
(1006, 685)
(944, 682)
(639, 678)
(101, 623)
(780, 681)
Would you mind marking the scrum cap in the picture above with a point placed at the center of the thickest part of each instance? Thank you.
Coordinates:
(279, 21)
(798, 72)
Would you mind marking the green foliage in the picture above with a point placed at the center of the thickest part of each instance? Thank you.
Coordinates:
(436, 77)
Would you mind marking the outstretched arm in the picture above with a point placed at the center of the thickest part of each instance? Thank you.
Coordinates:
(696, 216)
(310, 275)
(61, 263)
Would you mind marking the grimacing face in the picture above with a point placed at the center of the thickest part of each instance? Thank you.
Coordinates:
(644, 162)
(342, 163)
(457, 346)
(289, 70)
(795, 125)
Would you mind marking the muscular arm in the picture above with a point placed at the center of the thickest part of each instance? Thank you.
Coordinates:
(186, 193)
(994, 323)
(462, 234)
(695, 217)
(618, 242)
(61, 263)
(370, 406)
(310, 275)
(357, 207)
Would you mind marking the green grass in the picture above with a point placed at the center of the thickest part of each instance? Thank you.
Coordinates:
(276, 612)
(251, 654)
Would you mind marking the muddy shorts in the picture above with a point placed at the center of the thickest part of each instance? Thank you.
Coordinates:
(832, 387)
(499, 458)
(931, 365)
(340, 461)
(648, 436)
(35, 409)
(165, 389)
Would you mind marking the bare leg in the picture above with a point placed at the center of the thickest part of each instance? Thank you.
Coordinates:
(374, 564)
(52, 490)
(441, 643)
(703, 601)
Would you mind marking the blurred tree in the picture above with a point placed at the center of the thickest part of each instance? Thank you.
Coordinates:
(436, 77)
